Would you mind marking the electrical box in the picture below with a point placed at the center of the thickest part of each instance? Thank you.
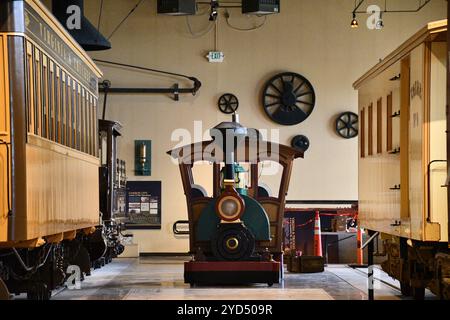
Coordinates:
(177, 7)
(260, 6)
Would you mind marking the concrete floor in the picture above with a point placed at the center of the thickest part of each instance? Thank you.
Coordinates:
(162, 279)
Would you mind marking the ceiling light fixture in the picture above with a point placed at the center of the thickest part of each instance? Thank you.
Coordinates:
(380, 23)
(214, 6)
(354, 23)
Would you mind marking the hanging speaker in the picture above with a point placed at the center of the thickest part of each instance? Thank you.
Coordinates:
(177, 7)
(260, 6)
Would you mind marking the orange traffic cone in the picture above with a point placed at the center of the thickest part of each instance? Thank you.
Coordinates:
(359, 250)
(317, 236)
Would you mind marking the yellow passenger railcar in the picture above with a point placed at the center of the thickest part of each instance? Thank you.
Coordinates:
(49, 144)
(403, 160)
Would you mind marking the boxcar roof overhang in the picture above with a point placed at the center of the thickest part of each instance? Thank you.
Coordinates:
(59, 28)
(433, 31)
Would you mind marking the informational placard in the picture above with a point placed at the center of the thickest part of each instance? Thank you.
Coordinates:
(143, 201)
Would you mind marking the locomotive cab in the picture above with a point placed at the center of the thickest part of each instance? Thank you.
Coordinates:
(235, 235)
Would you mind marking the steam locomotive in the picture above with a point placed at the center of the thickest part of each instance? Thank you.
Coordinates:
(236, 234)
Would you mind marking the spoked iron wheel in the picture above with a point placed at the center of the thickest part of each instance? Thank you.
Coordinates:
(347, 125)
(289, 98)
(228, 103)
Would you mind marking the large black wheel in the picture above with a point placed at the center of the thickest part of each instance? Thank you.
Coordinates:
(289, 98)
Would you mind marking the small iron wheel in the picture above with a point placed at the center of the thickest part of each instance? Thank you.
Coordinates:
(347, 125)
(228, 103)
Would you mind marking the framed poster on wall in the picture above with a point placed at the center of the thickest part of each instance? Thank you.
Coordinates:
(143, 205)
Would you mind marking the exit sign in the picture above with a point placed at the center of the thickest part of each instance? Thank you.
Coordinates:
(215, 56)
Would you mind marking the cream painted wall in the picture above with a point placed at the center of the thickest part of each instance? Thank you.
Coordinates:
(310, 37)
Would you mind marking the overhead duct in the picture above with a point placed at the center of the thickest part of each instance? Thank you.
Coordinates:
(71, 15)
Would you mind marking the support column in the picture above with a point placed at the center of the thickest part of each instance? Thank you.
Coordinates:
(370, 250)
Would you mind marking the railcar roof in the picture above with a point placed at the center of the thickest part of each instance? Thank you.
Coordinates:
(58, 27)
(430, 32)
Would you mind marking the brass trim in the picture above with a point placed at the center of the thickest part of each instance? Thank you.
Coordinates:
(232, 247)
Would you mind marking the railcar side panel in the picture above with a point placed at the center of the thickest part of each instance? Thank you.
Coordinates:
(57, 179)
(379, 167)
(416, 143)
(438, 143)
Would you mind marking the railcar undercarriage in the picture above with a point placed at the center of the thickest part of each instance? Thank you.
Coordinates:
(38, 271)
(418, 265)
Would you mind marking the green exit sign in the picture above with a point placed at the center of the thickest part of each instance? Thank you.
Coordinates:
(215, 56)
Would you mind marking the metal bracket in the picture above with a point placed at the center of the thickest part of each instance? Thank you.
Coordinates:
(175, 227)
(370, 239)
(176, 93)
(396, 223)
(395, 151)
(175, 90)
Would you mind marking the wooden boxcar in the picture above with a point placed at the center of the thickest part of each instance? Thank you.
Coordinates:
(49, 122)
(48, 131)
(403, 160)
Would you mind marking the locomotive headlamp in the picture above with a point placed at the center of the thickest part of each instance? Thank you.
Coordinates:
(230, 206)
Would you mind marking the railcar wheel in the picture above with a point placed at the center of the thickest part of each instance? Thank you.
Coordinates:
(39, 291)
(405, 288)
(4, 293)
(418, 293)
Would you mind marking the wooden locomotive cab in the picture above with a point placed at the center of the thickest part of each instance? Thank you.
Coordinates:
(235, 236)
(403, 159)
